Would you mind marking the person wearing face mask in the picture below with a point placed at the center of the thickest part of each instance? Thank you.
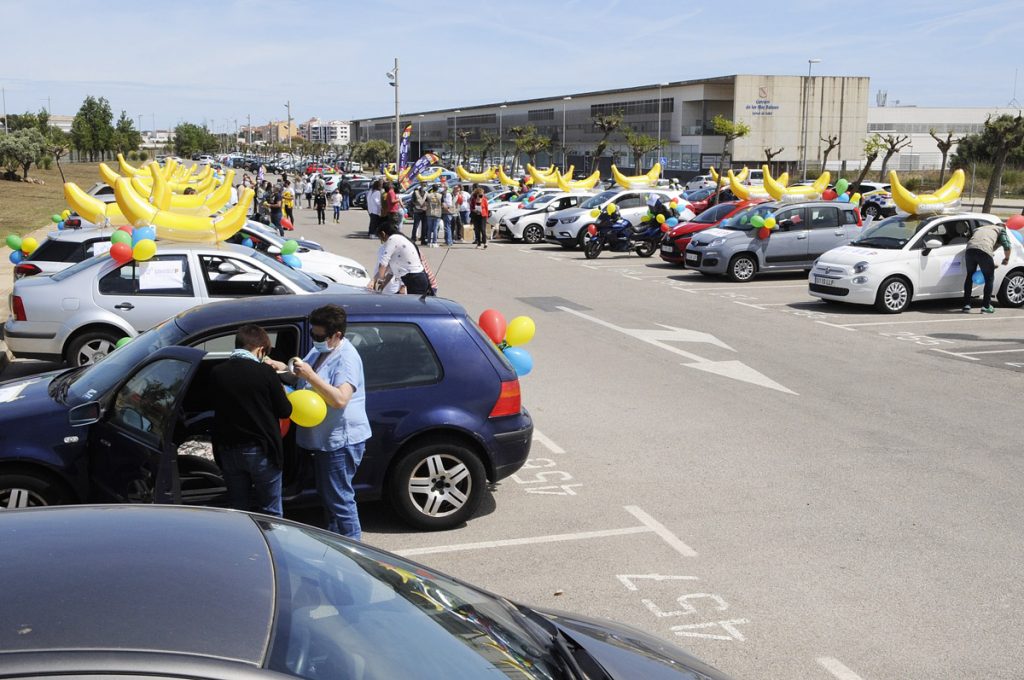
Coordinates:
(334, 370)
(250, 402)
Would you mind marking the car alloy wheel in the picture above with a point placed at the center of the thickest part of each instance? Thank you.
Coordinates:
(437, 486)
(440, 485)
(893, 296)
(23, 490)
(13, 499)
(742, 268)
(533, 234)
(90, 348)
(871, 211)
(1012, 292)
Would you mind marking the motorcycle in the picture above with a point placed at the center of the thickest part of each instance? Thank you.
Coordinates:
(619, 236)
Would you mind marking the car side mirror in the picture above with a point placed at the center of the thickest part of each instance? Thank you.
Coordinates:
(273, 250)
(550, 208)
(785, 225)
(931, 244)
(228, 268)
(280, 289)
(85, 414)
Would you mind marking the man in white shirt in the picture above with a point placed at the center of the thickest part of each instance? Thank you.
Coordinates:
(373, 206)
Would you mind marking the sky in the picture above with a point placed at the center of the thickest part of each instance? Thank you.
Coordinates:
(220, 60)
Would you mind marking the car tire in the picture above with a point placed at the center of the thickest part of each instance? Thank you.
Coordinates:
(871, 211)
(1011, 291)
(581, 237)
(742, 268)
(27, 490)
(422, 483)
(533, 234)
(894, 295)
(90, 347)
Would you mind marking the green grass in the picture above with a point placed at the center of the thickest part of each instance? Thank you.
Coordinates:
(25, 207)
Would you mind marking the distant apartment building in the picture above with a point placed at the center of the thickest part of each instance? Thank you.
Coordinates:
(333, 132)
(157, 139)
(63, 123)
(274, 132)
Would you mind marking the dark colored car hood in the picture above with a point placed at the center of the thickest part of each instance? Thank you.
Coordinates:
(627, 653)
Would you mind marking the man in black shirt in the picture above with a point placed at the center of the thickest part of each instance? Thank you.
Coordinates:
(250, 402)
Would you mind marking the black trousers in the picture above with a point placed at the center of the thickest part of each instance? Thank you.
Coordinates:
(978, 259)
(479, 229)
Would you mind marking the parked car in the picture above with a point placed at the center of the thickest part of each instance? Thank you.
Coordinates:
(877, 204)
(525, 201)
(804, 231)
(529, 225)
(276, 599)
(907, 258)
(702, 199)
(77, 315)
(568, 230)
(700, 182)
(444, 406)
(675, 241)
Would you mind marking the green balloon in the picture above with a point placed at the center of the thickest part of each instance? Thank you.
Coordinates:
(120, 237)
(14, 242)
(841, 186)
(757, 221)
(55, 218)
(122, 342)
(289, 247)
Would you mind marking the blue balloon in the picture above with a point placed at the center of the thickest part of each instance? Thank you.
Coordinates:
(844, 198)
(520, 360)
(247, 242)
(16, 257)
(977, 278)
(672, 221)
(292, 261)
(143, 234)
(1018, 234)
(60, 226)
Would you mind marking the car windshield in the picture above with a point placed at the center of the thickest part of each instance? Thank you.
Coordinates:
(96, 380)
(599, 200)
(298, 278)
(345, 606)
(713, 214)
(892, 233)
(741, 221)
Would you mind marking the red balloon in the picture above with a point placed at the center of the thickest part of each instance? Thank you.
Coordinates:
(665, 228)
(286, 424)
(287, 224)
(592, 230)
(493, 324)
(121, 252)
(829, 195)
(764, 232)
(1015, 222)
(127, 228)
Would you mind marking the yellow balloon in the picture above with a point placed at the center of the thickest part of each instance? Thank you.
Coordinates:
(28, 245)
(66, 214)
(520, 331)
(308, 408)
(611, 209)
(595, 212)
(144, 250)
(661, 219)
(855, 198)
(769, 222)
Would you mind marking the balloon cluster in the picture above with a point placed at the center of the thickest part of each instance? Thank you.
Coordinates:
(839, 193)
(133, 243)
(308, 408)
(247, 242)
(22, 247)
(764, 225)
(288, 256)
(59, 219)
(609, 209)
(1016, 226)
(666, 222)
(509, 338)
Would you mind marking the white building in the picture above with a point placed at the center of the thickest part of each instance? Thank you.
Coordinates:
(157, 139)
(334, 132)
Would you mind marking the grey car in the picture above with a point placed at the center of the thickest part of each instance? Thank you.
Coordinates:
(804, 231)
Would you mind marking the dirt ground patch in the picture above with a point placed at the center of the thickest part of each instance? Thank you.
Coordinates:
(25, 207)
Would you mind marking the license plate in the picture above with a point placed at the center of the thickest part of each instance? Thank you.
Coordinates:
(691, 257)
(667, 249)
(822, 281)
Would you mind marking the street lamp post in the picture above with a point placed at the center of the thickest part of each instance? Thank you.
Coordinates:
(393, 77)
(419, 135)
(660, 85)
(564, 105)
(501, 136)
(807, 106)
(457, 112)
(288, 105)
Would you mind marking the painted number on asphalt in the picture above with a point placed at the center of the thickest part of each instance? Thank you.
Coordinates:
(688, 604)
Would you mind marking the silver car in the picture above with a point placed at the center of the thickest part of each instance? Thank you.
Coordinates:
(77, 315)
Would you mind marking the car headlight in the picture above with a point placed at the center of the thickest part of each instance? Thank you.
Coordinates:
(717, 242)
(354, 272)
(569, 220)
(860, 267)
(513, 220)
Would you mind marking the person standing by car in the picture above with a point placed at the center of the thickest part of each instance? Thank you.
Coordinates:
(418, 204)
(273, 200)
(288, 201)
(391, 207)
(480, 215)
(983, 242)
(307, 188)
(433, 217)
(320, 203)
(346, 193)
(373, 197)
(334, 370)
(250, 401)
(463, 213)
(336, 204)
(447, 213)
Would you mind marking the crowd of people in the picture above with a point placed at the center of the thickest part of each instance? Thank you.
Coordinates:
(278, 200)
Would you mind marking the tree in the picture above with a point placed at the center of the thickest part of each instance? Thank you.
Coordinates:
(1002, 136)
(488, 140)
(831, 142)
(607, 124)
(519, 133)
(892, 144)
(125, 138)
(770, 155)
(463, 136)
(58, 143)
(20, 149)
(374, 153)
(531, 143)
(873, 146)
(190, 139)
(639, 143)
(92, 129)
(944, 146)
(731, 130)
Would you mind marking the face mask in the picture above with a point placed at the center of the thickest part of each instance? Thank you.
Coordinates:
(321, 346)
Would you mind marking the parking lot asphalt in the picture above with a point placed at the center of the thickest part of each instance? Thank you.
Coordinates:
(787, 488)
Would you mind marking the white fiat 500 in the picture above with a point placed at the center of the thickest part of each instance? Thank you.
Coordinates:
(908, 257)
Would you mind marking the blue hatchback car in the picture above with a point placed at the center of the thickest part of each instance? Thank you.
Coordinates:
(443, 403)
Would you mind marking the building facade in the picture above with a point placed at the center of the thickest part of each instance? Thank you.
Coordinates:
(274, 132)
(333, 132)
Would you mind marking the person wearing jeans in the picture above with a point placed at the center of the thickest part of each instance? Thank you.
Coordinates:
(983, 242)
(250, 400)
(334, 370)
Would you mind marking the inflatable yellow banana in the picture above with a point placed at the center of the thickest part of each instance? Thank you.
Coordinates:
(180, 187)
(108, 174)
(192, 204)
(127, 169)
(588, 183)
(745, 193)
(390, 175)
(173, 226)
(170, 167)
(485, 176)
(740, 177)
(429, 176)
(505, 179)
(93, 209)
(947, 196)
(540, 179)
(548, 171)
(637, 181)
(780, 192)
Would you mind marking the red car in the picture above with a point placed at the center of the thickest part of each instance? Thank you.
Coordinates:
(674, 242)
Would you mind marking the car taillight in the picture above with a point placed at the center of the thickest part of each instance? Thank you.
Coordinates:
(72, 222)
(18, 309)
(856, 211)
(26, 269)
(509, 401)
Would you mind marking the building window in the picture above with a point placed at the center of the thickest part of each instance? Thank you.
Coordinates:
(541, 114)
(634, 108)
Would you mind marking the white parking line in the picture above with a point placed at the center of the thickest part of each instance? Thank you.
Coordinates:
(995, 351)
(551, 446)
(746, 287)
(837, 669)
(835, 325)
(662, 531)
(976, 319)
(955, 354)
(531, 540)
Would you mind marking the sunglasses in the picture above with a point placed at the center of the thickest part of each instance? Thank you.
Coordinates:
(319, 337)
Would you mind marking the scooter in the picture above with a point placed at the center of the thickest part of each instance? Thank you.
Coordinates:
(647, 238)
